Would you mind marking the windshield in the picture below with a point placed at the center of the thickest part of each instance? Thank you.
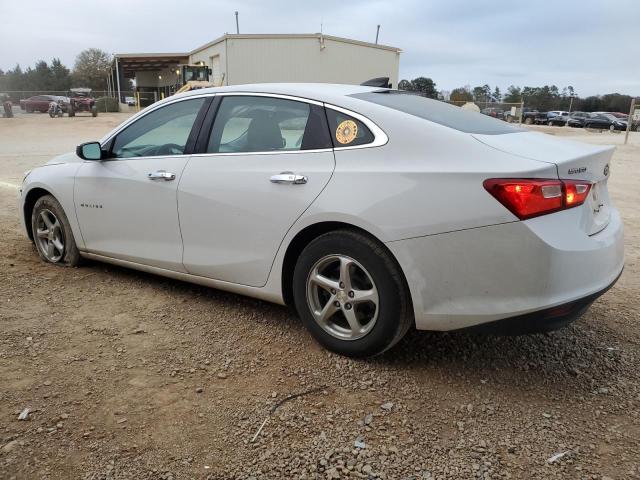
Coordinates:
(438, 112)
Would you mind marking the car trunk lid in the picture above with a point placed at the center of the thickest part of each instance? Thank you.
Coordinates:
(573, 161)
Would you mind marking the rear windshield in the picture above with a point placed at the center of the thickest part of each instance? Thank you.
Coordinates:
(438, 112)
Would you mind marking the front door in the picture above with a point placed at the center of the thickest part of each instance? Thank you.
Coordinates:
(266, 160)
(126, 205)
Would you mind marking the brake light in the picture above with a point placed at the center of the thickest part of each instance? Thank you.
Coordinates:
(528, 198)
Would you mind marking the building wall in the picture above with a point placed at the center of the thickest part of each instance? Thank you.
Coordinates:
(299, 59)
(214, 57)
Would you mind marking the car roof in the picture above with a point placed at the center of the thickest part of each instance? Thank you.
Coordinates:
(323, 92)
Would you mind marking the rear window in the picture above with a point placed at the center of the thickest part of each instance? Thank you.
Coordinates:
(438, 112)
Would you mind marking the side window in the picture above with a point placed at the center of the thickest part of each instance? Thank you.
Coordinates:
(347, 131)
(164, 131)
(264, 124)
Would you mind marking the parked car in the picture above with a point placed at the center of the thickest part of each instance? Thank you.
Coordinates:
(40, 103)
(367, 210)
(493, 112)
(604, 121)
(576, 119)
(131, 101)
(558, 118)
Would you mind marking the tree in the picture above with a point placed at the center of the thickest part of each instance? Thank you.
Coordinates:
(41, 76)
(91, 69)
(60, 76)
(513, 95)
(426, 86)
(405, 85)
(497, 94)
(482, 94)
(460, 94)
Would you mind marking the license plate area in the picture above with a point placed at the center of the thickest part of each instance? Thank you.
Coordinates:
(598, 204)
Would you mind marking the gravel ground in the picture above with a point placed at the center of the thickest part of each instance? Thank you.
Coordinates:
(132, 376)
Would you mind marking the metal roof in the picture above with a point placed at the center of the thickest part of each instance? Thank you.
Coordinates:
(140, 62)
(319, 36)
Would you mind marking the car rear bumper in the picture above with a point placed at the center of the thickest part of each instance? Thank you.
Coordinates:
(540, 321)
(477, 276)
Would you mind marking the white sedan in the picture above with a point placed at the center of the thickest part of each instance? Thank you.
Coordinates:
(368, 210)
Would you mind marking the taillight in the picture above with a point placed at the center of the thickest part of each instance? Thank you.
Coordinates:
(527, 198)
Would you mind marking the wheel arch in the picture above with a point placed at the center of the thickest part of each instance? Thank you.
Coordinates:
(305, 236)
(29, 202)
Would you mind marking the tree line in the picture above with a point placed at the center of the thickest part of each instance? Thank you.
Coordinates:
(91, 68)
(548, 97)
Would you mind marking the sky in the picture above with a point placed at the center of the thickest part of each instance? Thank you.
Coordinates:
(592, 45)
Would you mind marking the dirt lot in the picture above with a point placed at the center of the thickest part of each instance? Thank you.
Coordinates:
(129, 375)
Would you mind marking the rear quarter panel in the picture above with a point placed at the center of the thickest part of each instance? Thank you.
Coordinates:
(426, 180)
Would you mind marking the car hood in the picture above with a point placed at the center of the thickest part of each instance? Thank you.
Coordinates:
(69, 157)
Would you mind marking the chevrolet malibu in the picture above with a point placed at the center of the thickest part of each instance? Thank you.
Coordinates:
(367, 210)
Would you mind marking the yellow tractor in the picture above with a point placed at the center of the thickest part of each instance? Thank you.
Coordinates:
(193, 77)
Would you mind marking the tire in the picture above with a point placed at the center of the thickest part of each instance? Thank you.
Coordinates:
(64, 251)
(550, 124)
(94, 111)
(612, 128)
(72, 112)
(373, 273)
(528, 121)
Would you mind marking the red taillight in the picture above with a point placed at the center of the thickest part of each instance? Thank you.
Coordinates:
(528, 197)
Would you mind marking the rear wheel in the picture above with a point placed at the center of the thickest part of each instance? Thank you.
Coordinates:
(550, 123)
(351, 295)
(52, 233)
(612, 128)
(528, 121)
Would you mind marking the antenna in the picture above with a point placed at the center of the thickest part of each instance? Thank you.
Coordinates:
(377, 33)
(238, 25)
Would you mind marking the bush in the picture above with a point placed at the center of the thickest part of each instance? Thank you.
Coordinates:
(107, 104)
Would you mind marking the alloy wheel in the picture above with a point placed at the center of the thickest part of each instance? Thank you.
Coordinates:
(49, 236)
(342, 297)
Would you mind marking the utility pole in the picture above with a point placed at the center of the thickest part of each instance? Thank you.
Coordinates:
(237, 24)
(630, 119)
(377, 33)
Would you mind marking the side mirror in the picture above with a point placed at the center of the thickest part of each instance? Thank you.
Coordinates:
(89, 151)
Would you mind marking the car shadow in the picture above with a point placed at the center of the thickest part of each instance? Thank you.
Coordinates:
(585, 354)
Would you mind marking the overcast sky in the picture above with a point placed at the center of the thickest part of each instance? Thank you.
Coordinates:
(593, 45)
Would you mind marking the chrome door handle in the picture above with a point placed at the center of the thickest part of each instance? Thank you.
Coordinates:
(290, 178)
(161, 175)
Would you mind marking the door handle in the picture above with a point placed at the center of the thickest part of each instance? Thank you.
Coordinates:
(290, 178)
(161, 175)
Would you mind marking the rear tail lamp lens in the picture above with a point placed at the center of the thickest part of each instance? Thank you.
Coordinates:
(528, 198)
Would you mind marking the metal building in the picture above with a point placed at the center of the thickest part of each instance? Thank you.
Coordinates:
(257, 58)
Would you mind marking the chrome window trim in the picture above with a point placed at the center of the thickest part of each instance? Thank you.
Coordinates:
(269, 152)
(379, 136)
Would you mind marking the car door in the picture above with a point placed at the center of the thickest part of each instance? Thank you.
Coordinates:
(261, 164)
(126, 204)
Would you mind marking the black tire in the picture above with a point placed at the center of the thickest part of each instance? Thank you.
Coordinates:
(70, 256)
(94, 111)
(394, 313)
(528, 121)
(72, 112)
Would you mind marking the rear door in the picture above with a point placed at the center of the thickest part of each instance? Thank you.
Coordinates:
(261, 164)
(126, 205)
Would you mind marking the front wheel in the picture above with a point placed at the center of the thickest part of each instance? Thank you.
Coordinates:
(351, 295)
(52, 233)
